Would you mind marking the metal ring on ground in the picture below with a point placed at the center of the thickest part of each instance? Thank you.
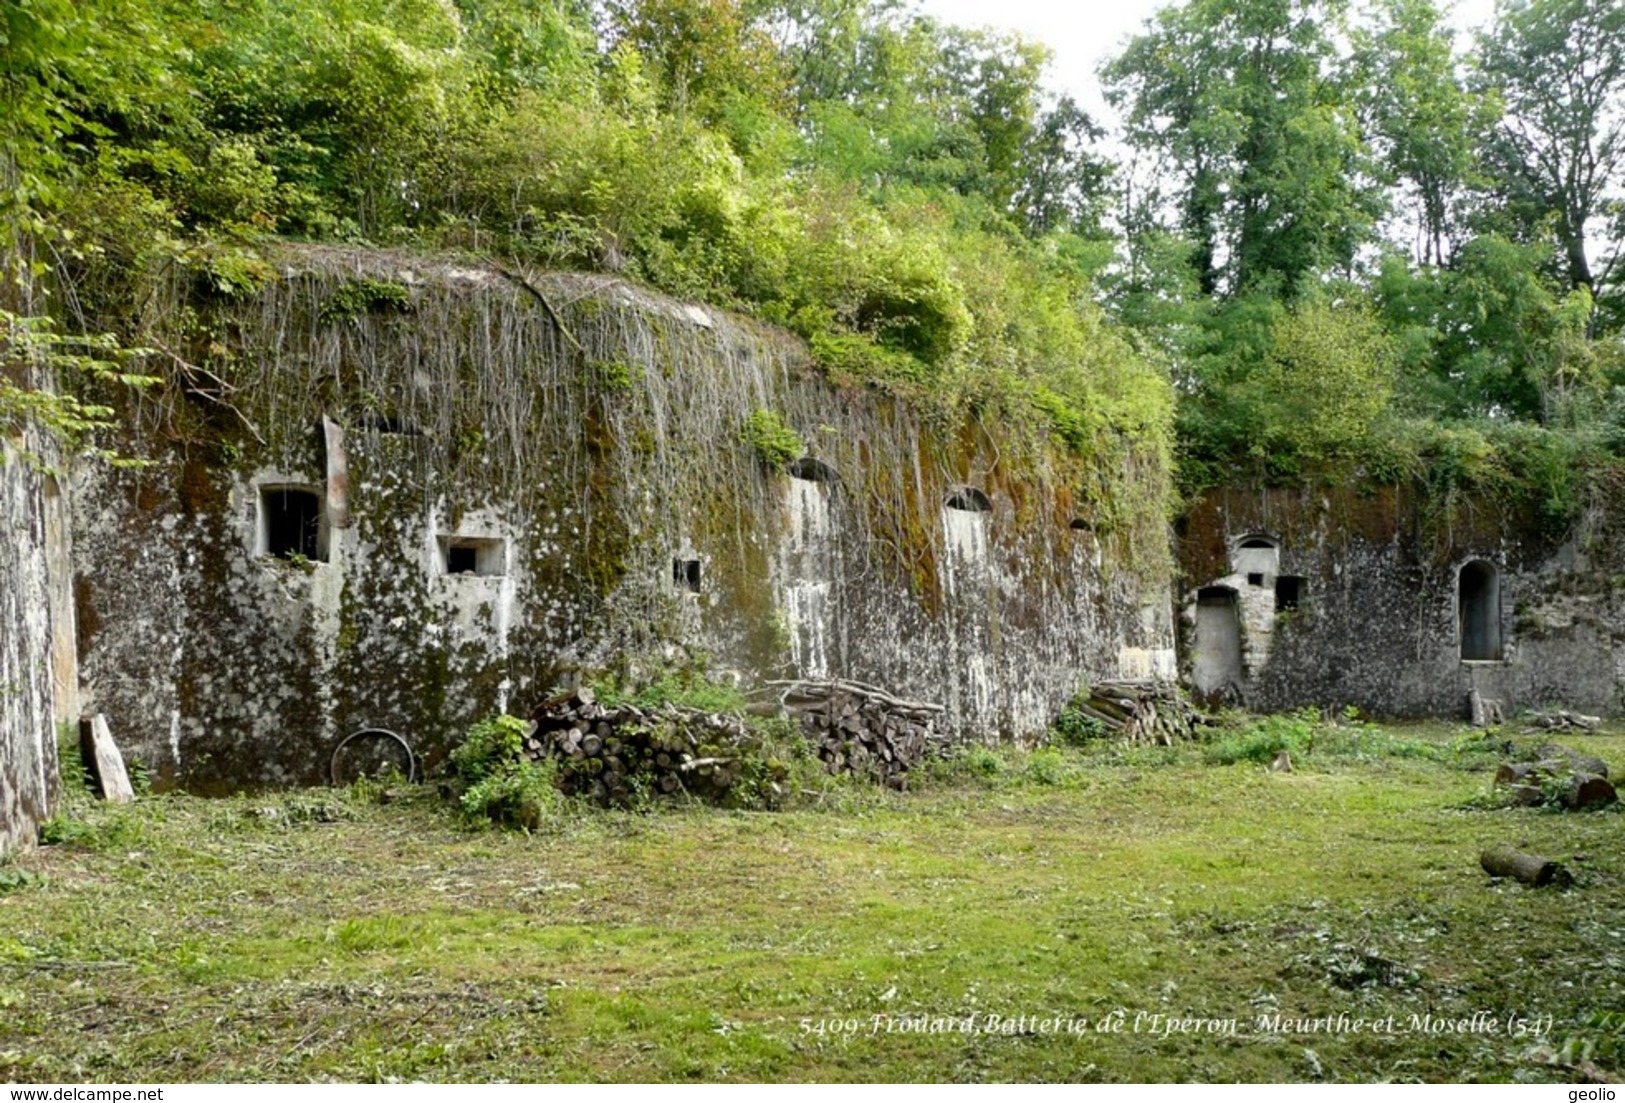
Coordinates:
(411, 759)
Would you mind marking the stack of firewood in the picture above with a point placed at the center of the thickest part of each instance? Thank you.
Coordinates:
(610, 752)
(856, 728)
(1142, 712)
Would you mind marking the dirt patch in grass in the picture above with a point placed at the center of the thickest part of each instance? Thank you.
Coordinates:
(1097, 915)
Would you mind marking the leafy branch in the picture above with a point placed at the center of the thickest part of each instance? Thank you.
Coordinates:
(30, 350)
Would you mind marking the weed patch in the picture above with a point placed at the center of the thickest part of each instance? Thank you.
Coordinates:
(1265, 737)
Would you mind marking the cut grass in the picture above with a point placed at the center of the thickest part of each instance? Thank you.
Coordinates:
(315, 936)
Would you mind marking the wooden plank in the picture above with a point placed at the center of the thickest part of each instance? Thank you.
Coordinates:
(101, 756)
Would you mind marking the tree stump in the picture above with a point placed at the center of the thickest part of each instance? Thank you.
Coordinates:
(1588, 790)
(1580, 763)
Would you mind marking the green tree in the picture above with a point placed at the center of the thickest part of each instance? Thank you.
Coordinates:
(1558, 154)
(1492, 336)
(347, 101)
(1242, 109)
(1420, 115)
(540, 45)
(70, 74)
(1290, 389)
(1063, 183)
(704, 53)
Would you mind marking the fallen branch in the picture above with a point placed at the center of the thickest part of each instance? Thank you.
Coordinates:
(190, 370)
(539, 297)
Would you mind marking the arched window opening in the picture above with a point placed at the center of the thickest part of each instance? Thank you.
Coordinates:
(969, 500)
(1478, 611)
(813, 471)
(1257, 557)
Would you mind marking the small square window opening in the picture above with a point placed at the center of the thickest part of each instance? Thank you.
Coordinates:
(480, 556)
(685, 575)
(291, 524)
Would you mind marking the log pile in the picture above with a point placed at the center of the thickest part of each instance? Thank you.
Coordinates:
(859, 729)
(1558, 774)
(611, 752)
(1152, 712)
(1563, 720)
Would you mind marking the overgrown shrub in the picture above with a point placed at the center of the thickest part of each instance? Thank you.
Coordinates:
(1600, 1039)
(523, 795)
(501, 784)
(972, 763)
(1264, 738)
(360, 297)
(1074, 727)
(110, 830)
(492, 747)
(774, 442)
(1305, 733)
(979, 761)
(770, 772)
(1047, 766)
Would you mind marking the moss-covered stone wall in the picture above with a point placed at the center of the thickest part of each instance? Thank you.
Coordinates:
(1376, 618)
(32, 543)
(583, 443)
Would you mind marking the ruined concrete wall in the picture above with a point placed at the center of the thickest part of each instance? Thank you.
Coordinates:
(578, 445)
(28, 765)
(1378, 622)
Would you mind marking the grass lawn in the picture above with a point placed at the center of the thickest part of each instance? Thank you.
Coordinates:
(322, 934)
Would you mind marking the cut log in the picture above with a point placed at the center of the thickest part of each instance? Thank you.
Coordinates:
(1587, 791)
(102, 758)
(858, 728)
(1531, 869)
(704, 764)
(1563, 720)
(1514, 773)
(1580, 763)
(1526, 795)
(1112, 708)
(1484, 712)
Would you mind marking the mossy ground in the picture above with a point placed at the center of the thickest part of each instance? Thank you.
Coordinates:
(321, 934)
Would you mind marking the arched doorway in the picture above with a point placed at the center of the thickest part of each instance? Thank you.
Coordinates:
(1478, 611)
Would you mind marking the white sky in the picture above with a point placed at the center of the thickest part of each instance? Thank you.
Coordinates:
(1084, 33)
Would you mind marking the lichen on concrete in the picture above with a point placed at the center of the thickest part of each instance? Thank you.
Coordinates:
(481, 407)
